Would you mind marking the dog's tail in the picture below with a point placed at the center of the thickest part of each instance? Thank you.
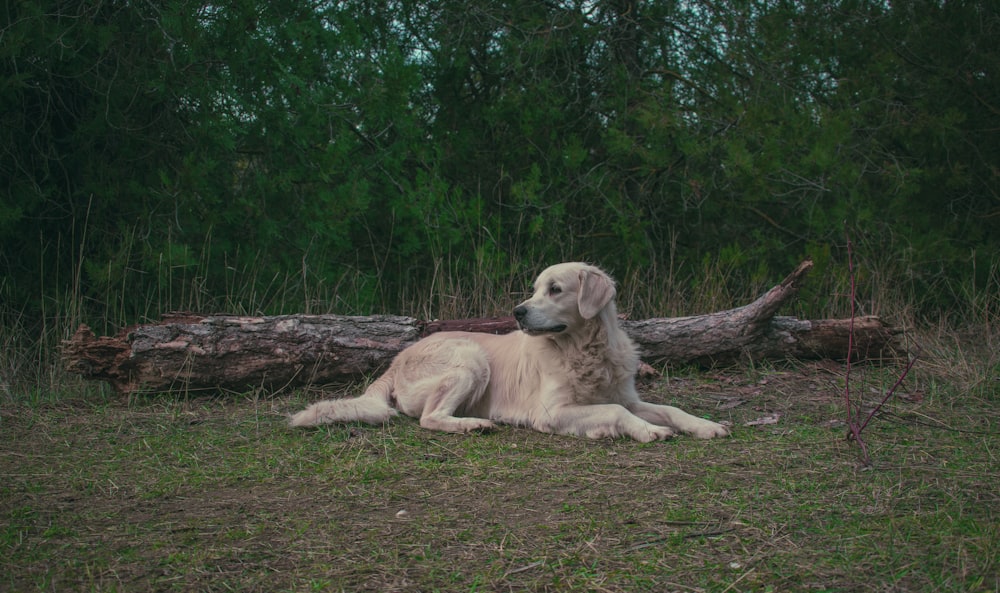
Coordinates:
(372, 407)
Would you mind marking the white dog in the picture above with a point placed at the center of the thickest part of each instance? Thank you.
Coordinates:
(569, 370)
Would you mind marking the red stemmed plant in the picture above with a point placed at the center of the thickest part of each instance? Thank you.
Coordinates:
(855, 424)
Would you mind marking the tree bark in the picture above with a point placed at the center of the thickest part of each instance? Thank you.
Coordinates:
(186, 351)
(189, 351)
(753, 332)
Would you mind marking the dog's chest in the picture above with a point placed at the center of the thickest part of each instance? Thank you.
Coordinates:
(595, 380)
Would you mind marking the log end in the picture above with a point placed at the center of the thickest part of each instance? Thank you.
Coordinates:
(97, 357)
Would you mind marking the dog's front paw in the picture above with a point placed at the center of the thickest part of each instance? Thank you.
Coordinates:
(453, 424)
(655, 433)
(476, 425)
(706, 429)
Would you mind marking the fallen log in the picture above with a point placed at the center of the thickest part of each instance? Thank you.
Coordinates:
(753, 332)
(187, 351)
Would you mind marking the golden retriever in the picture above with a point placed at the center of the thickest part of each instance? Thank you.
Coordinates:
(569, 370)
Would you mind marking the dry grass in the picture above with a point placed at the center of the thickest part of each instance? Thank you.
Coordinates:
(164, 494)
(201, 494)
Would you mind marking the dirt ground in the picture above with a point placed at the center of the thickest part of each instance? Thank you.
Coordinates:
(205, 493)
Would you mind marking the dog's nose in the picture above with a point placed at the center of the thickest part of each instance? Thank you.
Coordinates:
(519, 312)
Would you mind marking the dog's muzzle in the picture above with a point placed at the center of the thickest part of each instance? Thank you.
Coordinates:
(521, 314)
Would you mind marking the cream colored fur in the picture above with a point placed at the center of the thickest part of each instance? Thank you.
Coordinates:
(569, 370)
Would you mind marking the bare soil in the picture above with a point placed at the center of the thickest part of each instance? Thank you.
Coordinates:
(204, 493)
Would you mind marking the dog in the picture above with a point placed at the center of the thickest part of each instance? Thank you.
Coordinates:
(569, 370)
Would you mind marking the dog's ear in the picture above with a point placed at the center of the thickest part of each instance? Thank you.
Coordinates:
(596, 291)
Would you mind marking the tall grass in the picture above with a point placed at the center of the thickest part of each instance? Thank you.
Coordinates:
(480, 279)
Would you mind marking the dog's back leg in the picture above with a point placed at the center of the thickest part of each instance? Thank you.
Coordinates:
(372, 407)
(453, 377)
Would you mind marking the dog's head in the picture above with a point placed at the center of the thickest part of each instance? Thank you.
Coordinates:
(565, 297)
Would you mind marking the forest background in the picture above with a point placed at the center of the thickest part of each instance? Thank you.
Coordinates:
(374, 156)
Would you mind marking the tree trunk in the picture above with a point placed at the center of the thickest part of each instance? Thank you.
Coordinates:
(753, 332)
(187, 351)
(684, 340)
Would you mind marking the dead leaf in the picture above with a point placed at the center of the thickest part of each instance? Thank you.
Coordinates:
(765, 420)
(731, 402)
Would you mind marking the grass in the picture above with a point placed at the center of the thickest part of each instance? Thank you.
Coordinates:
(183, 492)
(179, 494)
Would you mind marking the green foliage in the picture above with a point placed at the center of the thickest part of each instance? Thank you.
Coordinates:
(253, 156)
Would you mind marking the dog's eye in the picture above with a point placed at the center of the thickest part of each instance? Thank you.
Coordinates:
(554, 289)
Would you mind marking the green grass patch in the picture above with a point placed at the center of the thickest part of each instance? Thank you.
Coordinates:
(164, 494)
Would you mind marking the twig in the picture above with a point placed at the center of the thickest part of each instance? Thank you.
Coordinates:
(892, 390)
(523, 568)
(853, 425)
(693, 534)
(742, 576)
